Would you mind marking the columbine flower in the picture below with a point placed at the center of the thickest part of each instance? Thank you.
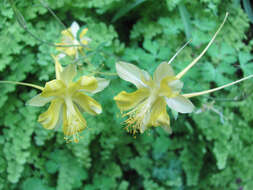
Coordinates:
(148, 103)
(70, 38)
(67, 100)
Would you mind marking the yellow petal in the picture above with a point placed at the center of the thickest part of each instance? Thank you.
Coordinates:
(84, 31)
(168, 87)
(88, 84)
(87, 103)
(67, 36)
(69, 50)
(84, 42)
(67, 40)
(73, 121)
(53, 88)
(126, 101)
(159, 115)
(50, 118)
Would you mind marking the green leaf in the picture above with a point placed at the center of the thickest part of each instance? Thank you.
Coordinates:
(221, 151)
(34, 183)
(125, 9)
(186, 20)
(248, 9)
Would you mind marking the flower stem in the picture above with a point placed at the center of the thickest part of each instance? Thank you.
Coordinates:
(23, 84)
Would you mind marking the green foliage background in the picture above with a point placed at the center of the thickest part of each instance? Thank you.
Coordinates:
(203, 153)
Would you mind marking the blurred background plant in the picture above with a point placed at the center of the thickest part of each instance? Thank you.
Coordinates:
(205, 151)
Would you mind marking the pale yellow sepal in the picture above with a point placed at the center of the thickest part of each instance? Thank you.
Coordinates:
(39, 101)
(132, 73)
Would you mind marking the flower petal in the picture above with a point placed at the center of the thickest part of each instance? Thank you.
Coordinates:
(74, 28)
(132, 73)
(163, 70)
(168, 87)
(70, 51)
(84, 39)
(67, 37)
(53, 88)
(39, 101)
(159, 115)
(50, 118)
(126, 101)
(83, 32)
(73, 122)
(88, 84)
(87, 103)
(180, 104)
(102, 84)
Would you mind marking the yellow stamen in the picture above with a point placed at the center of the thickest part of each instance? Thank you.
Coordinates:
(138, 117)
(23, 84)
(190, 95)
(179, 75)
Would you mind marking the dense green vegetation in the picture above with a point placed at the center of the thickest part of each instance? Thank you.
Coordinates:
(208, 150)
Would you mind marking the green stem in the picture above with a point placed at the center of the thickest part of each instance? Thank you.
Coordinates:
(23, 84)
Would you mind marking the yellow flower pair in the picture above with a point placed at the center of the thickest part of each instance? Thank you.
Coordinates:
(147, 105)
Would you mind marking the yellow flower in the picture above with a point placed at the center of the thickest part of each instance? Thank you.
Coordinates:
(68, 99)
(148, 103)
(69, 37)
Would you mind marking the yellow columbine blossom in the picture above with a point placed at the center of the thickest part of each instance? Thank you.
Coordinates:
(67, 99)
(148, 103)
(69, 38)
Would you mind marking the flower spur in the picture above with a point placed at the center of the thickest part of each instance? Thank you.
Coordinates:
(148, 103)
